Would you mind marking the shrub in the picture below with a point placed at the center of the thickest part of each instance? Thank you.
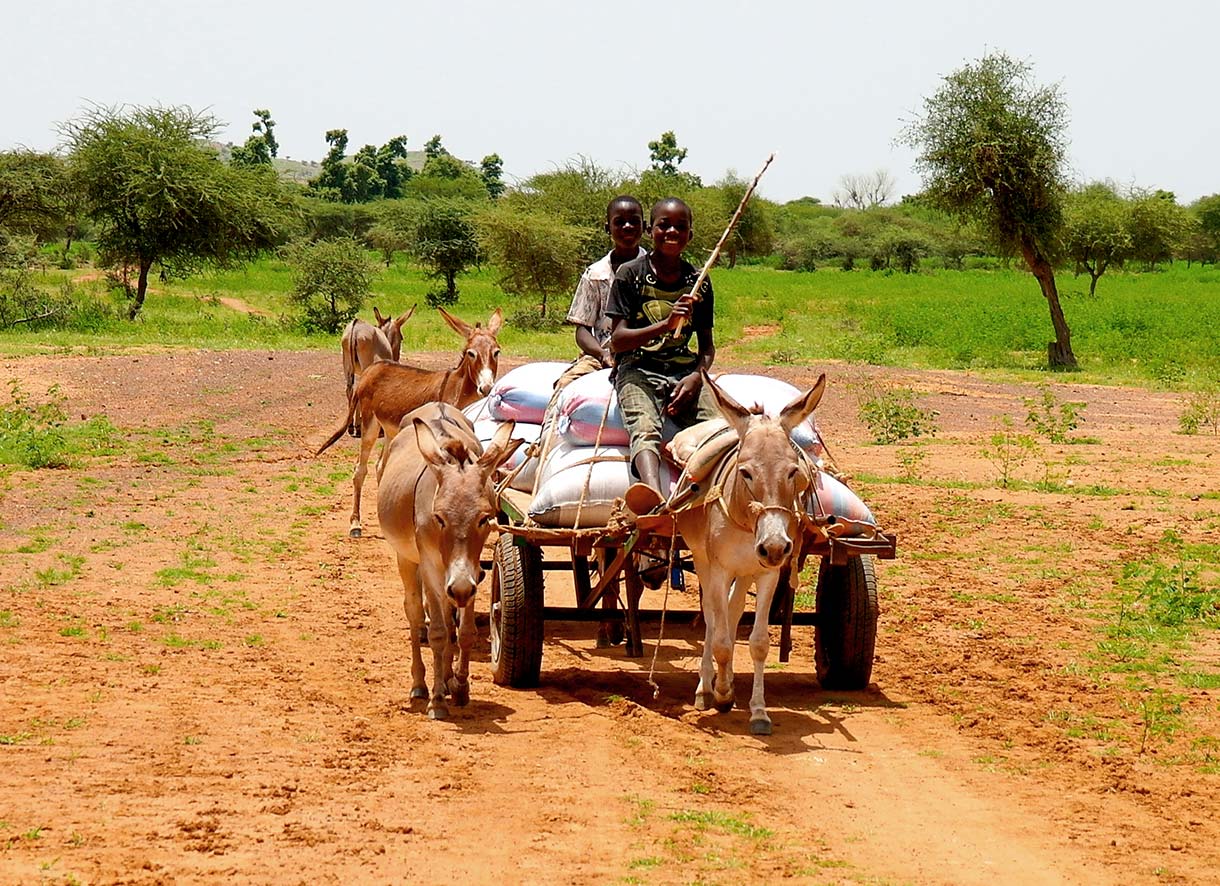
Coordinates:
(32, 433)
(1202, 411)
(1008, 450)
(1052, 418)
(331, 279)
(892, 414)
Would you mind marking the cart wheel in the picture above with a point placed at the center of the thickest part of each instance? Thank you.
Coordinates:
(516, 614)
(845, 635)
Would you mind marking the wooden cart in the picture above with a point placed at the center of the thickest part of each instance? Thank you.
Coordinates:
(845, 618)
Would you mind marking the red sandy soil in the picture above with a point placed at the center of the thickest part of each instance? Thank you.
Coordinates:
(202, 679)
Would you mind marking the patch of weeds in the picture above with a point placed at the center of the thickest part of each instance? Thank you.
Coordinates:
(254, 640)
(76, 630)
(1199, 680)
(40, 540)
(1160, 715)
(911, 460)
(15, 738)
(150, 670)
(169, 614)
(709, 819)
(57, 575)
(646, 863)
(642, 811)
(891, 414)
(8, 620)
(1009, 449)
(32, 433)
(176, 641)
(1202, 412)
(192, 569)
(134, 527)
(1052, 418)
(191, 740)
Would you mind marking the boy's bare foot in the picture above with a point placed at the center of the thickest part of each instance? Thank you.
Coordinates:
(642, 498)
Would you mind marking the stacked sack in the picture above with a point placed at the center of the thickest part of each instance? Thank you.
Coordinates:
(520, 396)
(580, 476)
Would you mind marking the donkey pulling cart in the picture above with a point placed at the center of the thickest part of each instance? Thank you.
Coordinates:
(601, 559)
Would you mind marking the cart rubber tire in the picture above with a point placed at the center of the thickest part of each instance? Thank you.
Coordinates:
(516, 614)
(845, 635)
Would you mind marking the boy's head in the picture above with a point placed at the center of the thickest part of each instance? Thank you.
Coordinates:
(669, 223)
(625, 222)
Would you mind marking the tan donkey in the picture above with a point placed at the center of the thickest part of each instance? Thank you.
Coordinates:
(436, 505)
(388, 391)
(364, 344)
(743, 534)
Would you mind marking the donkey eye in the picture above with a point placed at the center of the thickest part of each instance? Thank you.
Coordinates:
(496, 354)
(485, 520)
(472, 355)
(792, 473)
(746, 475)
(440, 521)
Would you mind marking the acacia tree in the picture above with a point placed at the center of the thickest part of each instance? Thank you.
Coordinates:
(536, 252)
(864, 191)
(444, 240)
(261, 146)
(991, 147)
(1157, 225)
(160, 197)
(1095, 230)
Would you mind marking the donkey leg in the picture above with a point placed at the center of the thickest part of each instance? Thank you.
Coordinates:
(460, 684)
(362, 470)
(442, 654)
(413, 603)
(760, 645)
(720, 636)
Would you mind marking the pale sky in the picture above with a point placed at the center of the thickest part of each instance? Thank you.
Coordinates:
(827, 86)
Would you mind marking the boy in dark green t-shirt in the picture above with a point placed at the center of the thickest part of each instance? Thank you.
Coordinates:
(654, 315)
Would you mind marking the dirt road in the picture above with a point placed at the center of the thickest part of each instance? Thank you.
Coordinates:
(202, 679)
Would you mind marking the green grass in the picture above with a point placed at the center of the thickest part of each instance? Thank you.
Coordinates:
(1141, 328)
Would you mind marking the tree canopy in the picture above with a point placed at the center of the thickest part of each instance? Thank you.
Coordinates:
(159, 196)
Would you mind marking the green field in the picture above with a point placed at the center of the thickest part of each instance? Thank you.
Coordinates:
(1145, 328)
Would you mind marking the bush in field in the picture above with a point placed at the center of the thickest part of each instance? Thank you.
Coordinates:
(33, 432)
(892, 414)
(1052, 418)
(331, 279)
(1009, 450)
(1202, 411)
(537, 253)
(444, 241)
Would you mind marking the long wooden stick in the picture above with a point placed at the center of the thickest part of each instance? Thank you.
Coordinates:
(724, 238)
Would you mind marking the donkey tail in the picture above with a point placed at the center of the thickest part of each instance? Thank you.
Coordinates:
(342, 429)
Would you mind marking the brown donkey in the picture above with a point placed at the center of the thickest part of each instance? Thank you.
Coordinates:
(388, 391)
(436, 505)
(364, 344)
(742, 535)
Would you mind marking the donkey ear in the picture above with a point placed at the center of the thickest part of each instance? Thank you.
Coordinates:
(381, 321)
(734, 413)
(802, 407)
(429, 446)
(405, 317)
(501, 448)
(461, 327)
(495, 322)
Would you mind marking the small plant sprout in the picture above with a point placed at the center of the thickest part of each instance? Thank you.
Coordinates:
(1008, 450)
(892, 414)
(1052, 418)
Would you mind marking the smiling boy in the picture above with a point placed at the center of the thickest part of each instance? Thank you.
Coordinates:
(656, 373)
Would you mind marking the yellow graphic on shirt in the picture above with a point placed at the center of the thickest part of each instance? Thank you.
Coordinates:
(656, 306)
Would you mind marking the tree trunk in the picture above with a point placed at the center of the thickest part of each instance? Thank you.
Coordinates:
(1059, 352)
(451, 285)
(141, 289)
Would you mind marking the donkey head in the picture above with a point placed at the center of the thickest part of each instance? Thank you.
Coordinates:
(768, 479)
(464, 506)
(391, 328)
(481, 358)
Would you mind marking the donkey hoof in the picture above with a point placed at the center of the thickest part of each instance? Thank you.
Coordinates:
(419, 692)
(703, 701)
(760, 726)
(461, 695)
(354, 532)
(724, 706)
(438, 712)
